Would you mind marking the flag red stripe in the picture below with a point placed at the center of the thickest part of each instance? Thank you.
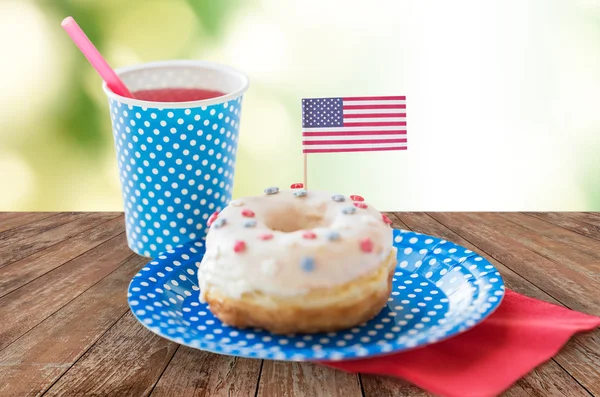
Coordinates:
(354, 141)
(375, 98)
(373, 115)
(377, 124)
(373, 149)
(350, 133)
(361, 107)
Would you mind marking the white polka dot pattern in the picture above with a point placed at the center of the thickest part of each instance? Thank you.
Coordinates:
(176, 168)
(436, 294)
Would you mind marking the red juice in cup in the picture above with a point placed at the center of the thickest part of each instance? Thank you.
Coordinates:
(176, 94)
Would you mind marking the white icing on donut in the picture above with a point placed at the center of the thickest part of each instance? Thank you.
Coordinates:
(279, 265)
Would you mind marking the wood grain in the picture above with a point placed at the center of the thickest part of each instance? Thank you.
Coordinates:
(396, 222)
(560, 253)
(561, 282)
(4, 216)
(25, 270)
(26, 246)
(10, 220)
(577, 242)
(589, 217)
(195, 373)
(127, 361)
(518, 390)
(28, 366)
(386, 386)
(550, 379)
(14, 235)
(284, 379)
(581, 358)
(27, 306)
(566, 221)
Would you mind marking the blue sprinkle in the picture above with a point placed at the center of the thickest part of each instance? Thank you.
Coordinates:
(338, 198)
(272, 190)
(333, 236)
(219, 223)
(250, 223)
(349, 210)
(299, 193)
(308, 264)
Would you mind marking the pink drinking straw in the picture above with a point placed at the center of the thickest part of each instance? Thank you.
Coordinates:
(91, 53)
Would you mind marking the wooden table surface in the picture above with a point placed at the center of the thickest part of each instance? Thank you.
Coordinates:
(66, 329)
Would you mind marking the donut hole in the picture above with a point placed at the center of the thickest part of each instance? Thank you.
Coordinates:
(289, 219)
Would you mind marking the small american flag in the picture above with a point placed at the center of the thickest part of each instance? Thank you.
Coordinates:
(355, 124)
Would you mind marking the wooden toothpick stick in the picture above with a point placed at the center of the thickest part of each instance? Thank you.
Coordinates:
(305, 171)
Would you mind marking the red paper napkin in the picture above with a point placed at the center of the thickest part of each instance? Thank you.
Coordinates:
(486, 360)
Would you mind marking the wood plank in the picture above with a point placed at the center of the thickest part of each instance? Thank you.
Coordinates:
(35, 361)
(588, 217)
(19, 273)
(305, 379)
(6, 216)
(195, 373)
(581, 358)
(563, 220)
(557, 233)
(396, 222)
(29, 305)
(387, 386)
(126, 361)
(33, 244)
(9, 215)
(560, 253)
(550, 379)
(561, 282)
(21, 218)
(517, 391)
(384, 386)
(12, 236)
(581, 355)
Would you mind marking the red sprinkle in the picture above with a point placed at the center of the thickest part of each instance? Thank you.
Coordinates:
(354, 197)
(239, 246)
(366, 245)
(247, 213)
(359, 204)
(386, 219)
(296, 185)
(266, 236)
(212, 218)
(309, 235)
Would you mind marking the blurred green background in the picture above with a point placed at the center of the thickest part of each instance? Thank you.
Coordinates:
(503, 107)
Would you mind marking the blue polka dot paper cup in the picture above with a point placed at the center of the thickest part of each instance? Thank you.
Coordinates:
(176, 159)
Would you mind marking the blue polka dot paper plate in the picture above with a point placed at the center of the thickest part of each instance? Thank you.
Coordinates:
(440, 289)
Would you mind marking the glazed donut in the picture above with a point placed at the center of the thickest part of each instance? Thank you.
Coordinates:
(297, 261)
